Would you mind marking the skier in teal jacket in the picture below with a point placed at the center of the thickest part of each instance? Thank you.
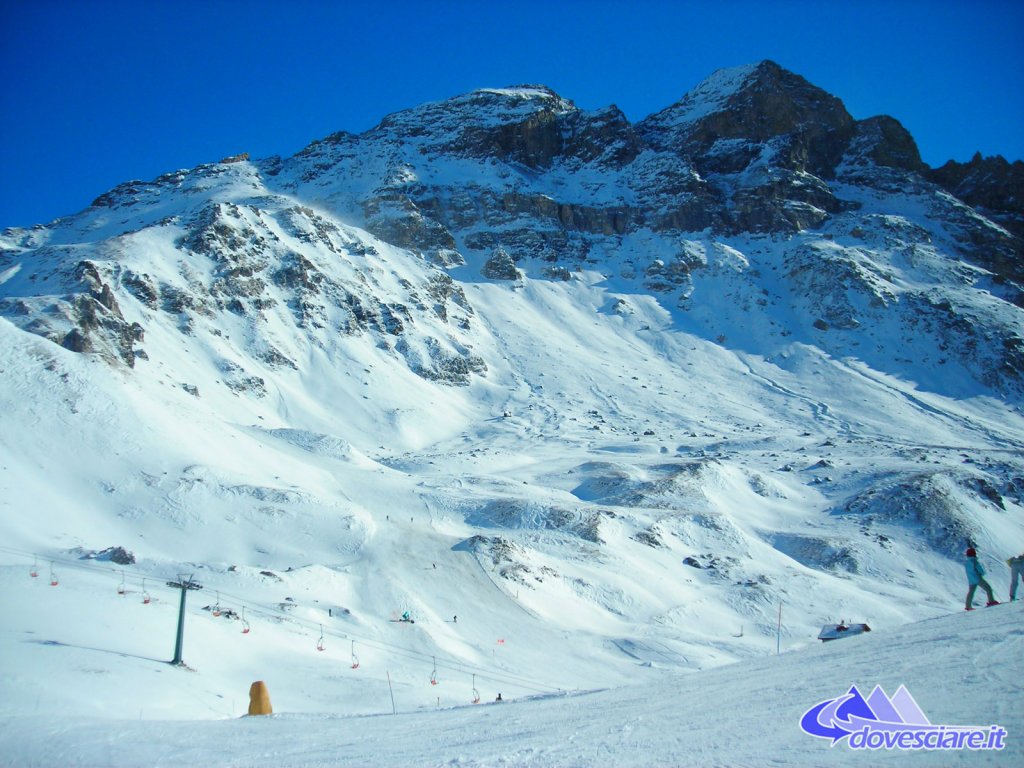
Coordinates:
(976, 578)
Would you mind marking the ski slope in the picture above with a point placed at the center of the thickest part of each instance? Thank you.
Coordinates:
(962, 669)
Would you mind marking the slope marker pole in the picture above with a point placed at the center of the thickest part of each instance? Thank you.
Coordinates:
(778, 633)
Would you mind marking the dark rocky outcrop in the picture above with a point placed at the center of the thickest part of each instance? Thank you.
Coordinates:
(501, 266)
(723, 123)
(883, 141)
(991, 184)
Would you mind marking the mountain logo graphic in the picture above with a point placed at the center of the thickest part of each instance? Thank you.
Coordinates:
(880, 721)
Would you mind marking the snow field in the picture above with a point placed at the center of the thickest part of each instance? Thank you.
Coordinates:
(962, 669)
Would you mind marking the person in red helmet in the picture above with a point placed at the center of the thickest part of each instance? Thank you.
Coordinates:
(975, 579)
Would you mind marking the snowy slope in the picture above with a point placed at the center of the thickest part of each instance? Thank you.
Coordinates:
(560, 529)
(961, 670)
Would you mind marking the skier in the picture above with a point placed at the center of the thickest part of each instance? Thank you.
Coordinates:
(975, 579)
(499, 699)
(1016, 572)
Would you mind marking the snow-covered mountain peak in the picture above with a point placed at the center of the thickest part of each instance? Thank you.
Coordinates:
(463, 117)
(531, 93)
(711, 94)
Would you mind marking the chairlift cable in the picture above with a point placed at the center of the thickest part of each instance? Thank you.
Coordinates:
(453, 665)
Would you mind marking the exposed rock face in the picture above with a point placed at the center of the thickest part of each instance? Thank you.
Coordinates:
(501, 267)
(87, 318)
(261, 262)
(723, 123)
(883, 141)
(751, 149)
(765, 138)
(989, 183)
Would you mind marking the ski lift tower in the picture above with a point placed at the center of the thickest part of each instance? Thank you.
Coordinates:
(184, 585)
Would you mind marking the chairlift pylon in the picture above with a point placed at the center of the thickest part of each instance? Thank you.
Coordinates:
(145, 595)
(53, 577)
(355, 659)
(34, 570)
(216, 605)
(245, 623)
(476, 693)
(433, 675)
(320, 643)
(122, 588)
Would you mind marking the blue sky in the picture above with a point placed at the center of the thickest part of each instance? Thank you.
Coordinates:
(96, 92)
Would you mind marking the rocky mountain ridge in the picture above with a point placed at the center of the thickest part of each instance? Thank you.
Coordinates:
(753, 154)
